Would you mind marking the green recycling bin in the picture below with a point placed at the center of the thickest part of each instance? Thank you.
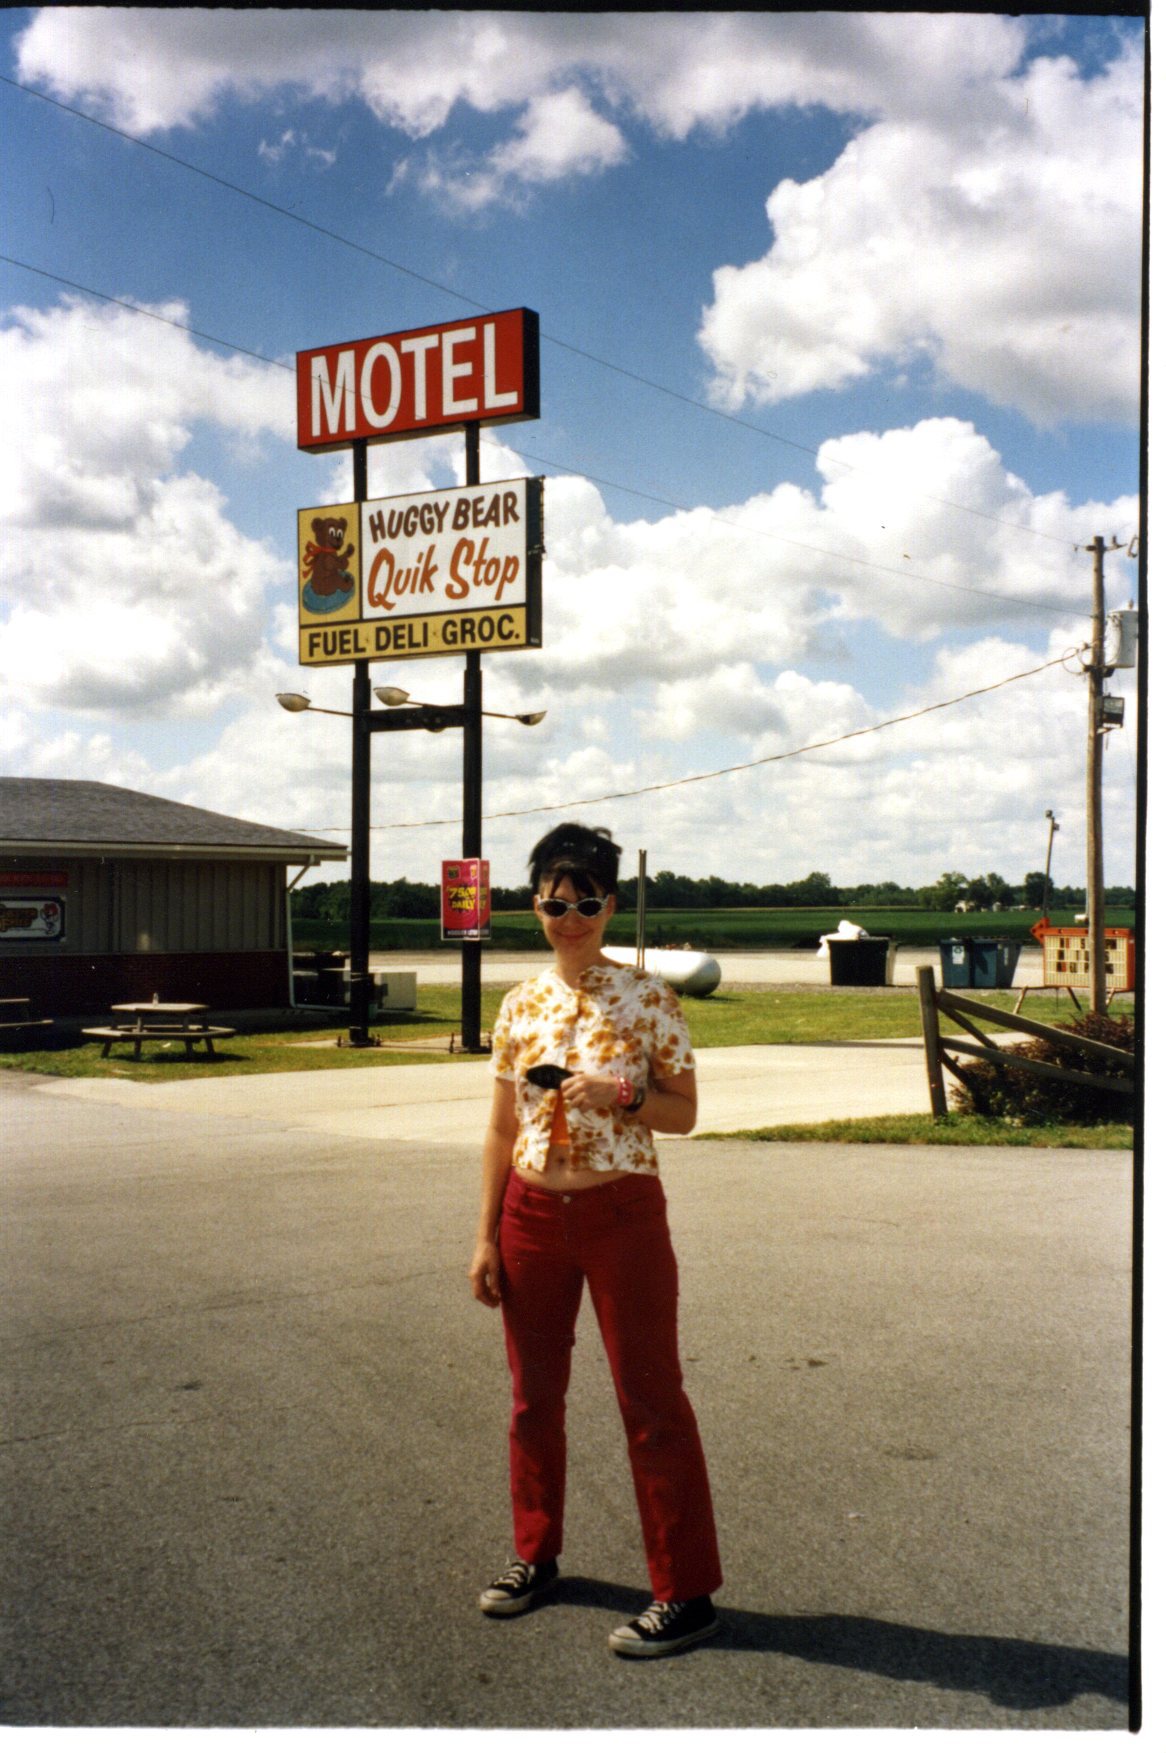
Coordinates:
(955, 957)
(978, 961)
(860, 961)
(994, 961)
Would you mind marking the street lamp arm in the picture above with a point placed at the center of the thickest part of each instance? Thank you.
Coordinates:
(417, 715)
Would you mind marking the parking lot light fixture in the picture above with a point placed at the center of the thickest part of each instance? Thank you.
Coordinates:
(402, 697)
(301, 703)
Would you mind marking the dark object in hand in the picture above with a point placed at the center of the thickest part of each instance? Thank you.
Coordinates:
(547, 1077)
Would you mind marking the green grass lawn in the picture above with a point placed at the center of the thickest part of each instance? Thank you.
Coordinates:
(728, 1018)
(911, 1129)
(315, 1046)
(792, 1015)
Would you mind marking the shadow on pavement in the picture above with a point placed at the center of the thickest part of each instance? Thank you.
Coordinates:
(1010, 1672)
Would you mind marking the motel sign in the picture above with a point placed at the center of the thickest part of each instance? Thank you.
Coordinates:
(482, 370)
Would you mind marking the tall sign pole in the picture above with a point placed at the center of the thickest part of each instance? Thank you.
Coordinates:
(472, 794)
(360, 892)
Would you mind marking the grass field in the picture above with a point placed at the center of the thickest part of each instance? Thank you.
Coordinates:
(726, 1019)
(916, 1129)
(720, 928)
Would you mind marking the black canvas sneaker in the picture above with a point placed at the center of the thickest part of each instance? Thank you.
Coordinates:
(518, 1588)
(664, 1627)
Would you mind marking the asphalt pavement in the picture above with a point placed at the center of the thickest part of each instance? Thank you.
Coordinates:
(255, 1443)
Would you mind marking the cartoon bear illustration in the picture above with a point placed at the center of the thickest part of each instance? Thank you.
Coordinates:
(323, 563)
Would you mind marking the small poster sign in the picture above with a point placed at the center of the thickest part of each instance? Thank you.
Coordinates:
(465, 899)
(32, 918)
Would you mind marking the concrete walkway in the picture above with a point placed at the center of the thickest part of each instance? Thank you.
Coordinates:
(739, 1087)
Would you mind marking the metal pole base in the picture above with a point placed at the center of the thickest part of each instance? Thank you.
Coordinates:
(482, 1049)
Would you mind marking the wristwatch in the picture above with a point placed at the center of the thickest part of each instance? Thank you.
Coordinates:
(639, 1097)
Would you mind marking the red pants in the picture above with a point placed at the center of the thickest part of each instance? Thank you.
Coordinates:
(616, 1238)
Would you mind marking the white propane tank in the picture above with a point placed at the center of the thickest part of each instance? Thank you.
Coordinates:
(689, 971)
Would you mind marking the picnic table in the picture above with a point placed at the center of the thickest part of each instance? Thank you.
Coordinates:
(156, 1019)
(17, 1023)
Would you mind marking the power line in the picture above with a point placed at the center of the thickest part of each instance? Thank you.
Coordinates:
(141, 311)
(1035, 606)
(238, 189)
(463, 298)
(718, 772)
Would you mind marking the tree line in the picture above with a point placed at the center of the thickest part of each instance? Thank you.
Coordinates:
(402, 899)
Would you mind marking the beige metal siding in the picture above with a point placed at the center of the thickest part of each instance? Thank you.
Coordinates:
(140, 906)
(212, 906)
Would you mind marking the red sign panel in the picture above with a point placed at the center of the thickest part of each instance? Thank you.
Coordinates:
(482, 369)
(465, 898)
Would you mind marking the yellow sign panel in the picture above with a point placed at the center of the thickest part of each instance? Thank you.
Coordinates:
(419, 636)
(422, 575)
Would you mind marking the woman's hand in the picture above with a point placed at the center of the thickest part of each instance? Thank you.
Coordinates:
(589, 1090)
(485, 1274)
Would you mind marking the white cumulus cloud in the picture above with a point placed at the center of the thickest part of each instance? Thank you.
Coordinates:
(983, 222)
(143, 594)
(998, 243)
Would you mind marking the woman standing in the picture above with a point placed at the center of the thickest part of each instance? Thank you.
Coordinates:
(591, 1058)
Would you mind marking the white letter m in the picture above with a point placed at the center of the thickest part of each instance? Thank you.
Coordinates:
(338, 398)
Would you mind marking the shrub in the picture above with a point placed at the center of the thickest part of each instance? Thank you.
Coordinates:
(1006, 1092)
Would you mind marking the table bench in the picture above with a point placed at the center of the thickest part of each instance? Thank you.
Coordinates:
(17, 1022)
(136, 1033)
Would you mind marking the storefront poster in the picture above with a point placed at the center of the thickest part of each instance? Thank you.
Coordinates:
(465, 899)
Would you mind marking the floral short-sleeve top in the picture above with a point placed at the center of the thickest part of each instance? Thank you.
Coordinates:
(618, 1020)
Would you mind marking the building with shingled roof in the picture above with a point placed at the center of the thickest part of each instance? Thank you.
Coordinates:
(110, 896)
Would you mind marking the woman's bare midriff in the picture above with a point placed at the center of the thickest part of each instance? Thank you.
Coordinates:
(561, 1176)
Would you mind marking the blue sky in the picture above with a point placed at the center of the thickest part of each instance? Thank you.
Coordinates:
(896, 260)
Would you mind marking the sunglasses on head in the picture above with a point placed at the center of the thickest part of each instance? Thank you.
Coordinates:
(590, 907)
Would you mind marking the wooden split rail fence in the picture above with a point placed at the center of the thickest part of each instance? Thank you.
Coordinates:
(934, 1003)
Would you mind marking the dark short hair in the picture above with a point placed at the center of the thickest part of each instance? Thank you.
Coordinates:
(588, 857)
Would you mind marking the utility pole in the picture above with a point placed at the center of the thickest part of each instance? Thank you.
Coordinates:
(1050, 817)
(1095, 875)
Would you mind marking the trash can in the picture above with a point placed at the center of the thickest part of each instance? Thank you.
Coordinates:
(860, 961)
(994, 961)
(955, 957)
(978, 961)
